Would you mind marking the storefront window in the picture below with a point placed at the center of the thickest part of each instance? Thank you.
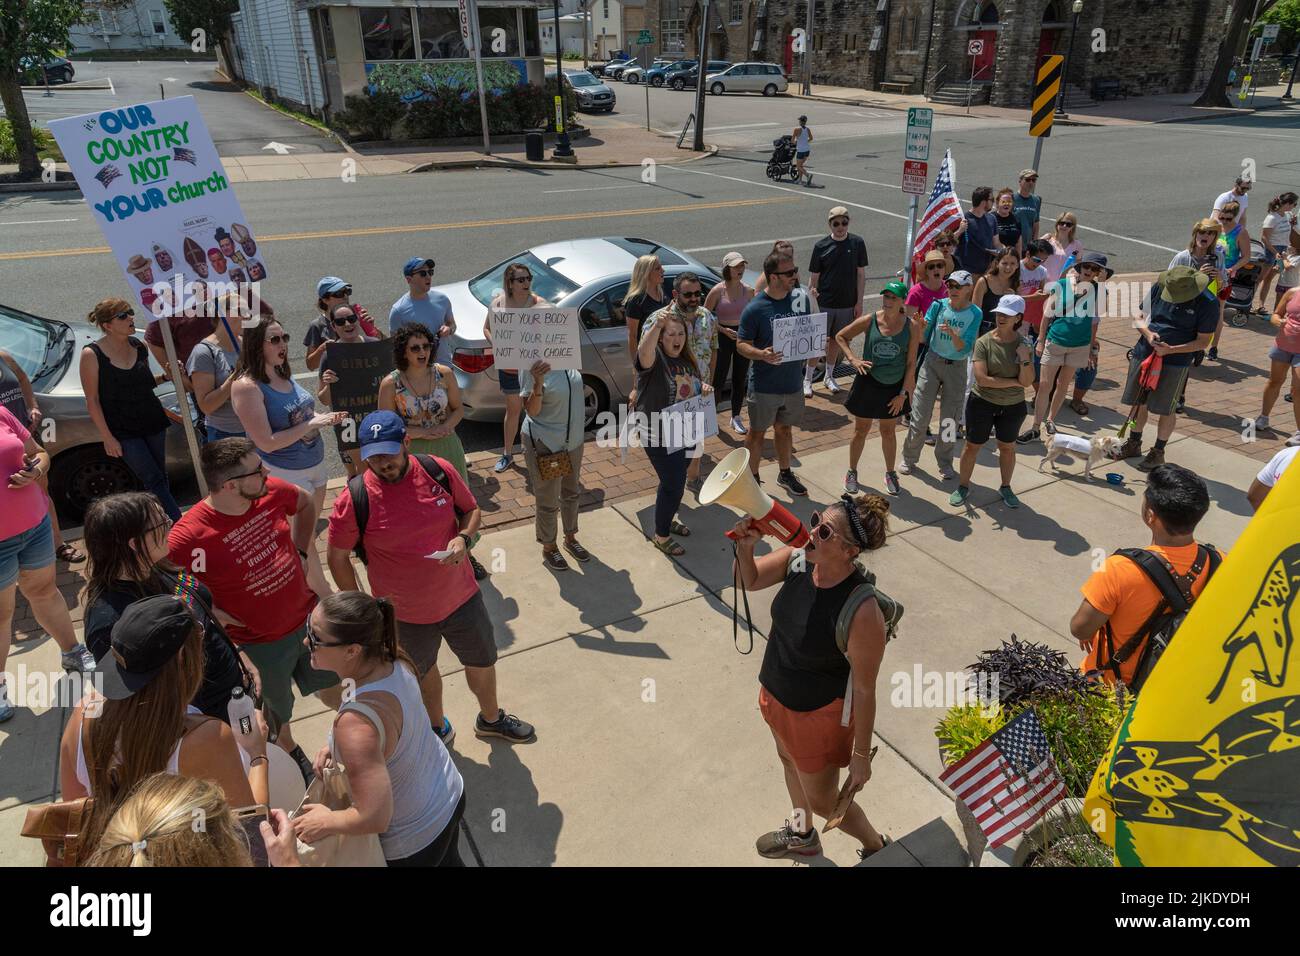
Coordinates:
(386, 33)
(532, 41)
(499, 30)
(440, 37)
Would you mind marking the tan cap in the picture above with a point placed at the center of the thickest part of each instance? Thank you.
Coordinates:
(1028, 174)
(934, 255)
(838, 211)
(732, 259)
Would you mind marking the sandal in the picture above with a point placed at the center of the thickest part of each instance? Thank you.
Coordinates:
(69, 553)
(679, 529)
(669, 547)
(1079, 407)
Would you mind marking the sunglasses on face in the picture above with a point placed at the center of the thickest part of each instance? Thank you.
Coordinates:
(840, 224)
(314, 641)
(1064, 225)
(526, 280)
(343, 293)
(1087, 269)
(1036, 260)
(954, 285)
(128, 314)
(822, 529)
(423, 273)
(788, 272)
(938, 268)
(277, 339)
(690, 295)
(341, 320)
(945, 245)
(417, 347)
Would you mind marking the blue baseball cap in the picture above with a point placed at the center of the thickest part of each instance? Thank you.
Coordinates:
(329, 285)
(417, 262)
(381, 433)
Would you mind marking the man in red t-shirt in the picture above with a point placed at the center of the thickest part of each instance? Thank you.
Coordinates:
(238, 542)
(416, 541)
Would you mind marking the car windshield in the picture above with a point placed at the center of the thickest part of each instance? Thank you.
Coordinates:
(583, 79)
(547, 283)
(39, 347)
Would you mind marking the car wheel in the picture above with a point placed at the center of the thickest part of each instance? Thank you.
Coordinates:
(630, 79)
(716, 89)
(679, 85)
(769, 90)
(658, 81)
(595, 399)
(80, 476)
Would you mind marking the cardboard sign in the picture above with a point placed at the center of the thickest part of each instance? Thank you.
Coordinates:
(360, 366)
(156, 187)
(686, 424)
(521, 337)
(799, 337)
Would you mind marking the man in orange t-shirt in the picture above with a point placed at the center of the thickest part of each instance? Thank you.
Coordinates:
(1121, 593)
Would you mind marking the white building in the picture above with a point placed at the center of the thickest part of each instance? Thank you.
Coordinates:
(142, 26)
(606, 28)
(571, 32)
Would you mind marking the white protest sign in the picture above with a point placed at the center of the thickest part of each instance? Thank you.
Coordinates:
(521, 337)
(154, 183)
(686, 424)
(799, 337)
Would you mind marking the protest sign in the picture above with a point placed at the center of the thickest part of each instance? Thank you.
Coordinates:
(799, 337)
(154, 183)
(521, 337)
(686, 424)
(360, 366)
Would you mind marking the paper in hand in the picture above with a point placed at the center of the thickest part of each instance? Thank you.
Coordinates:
(439, 555)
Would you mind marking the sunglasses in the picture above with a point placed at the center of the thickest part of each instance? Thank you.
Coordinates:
(691, 295)
(1207, 232)
(259, 470)
(314, 641)
(1036, 260)
(938, 268)
(277, 339)
(526, 280)
(839, 223)
(423, 273)
(1064, 225)
(345, 320)
(822, 530)
(417, 347)
(129, 313)
(343, 293)
(954, 285)
(788, 272)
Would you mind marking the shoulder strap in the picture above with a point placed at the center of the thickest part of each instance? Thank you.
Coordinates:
(190, 730)
(435, 471)
(1174, 588)
(857, 597)
(360, 507)
(372, 715)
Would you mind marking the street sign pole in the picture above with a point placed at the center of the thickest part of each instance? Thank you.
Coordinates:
(470, 33)
(916, 152)
(1048, 83)
(562, 148)
(644, 39)
(701, 72)
(1038, 152)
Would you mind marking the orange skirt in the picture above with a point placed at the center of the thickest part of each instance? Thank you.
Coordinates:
(814, 739)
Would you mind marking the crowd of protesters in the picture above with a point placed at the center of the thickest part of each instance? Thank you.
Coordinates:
(997, 321)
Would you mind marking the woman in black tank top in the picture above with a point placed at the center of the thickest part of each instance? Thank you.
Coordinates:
(1002, 278)
(804, 675)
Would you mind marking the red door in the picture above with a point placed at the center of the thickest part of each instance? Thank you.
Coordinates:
(1048, 42)
(789, 55)
(982, 71)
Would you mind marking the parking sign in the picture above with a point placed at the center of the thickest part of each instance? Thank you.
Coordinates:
(914, 177)
(919, 121)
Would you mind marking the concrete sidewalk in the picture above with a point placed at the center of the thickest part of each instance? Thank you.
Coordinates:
(1133, 111)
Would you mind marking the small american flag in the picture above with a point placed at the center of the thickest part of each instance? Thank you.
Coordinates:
(183, 155)
(943, 211)
(108, 174)
(1008, 782)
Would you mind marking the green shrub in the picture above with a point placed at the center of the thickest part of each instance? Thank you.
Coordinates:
(45, 144)
(372, 116)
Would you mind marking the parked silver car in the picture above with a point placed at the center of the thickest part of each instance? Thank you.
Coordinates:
(765, 78)
(590, 275)
(592, 95)
(49, 351)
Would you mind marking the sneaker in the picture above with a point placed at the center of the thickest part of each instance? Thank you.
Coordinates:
(304, 765)
(1009, 497)
(958, 497)
(1131, 448)
(946, 472)
(6, 709)
(554, 560)
(785, 842)
(578, 551)
(502, 464)
(891, 483)
(807, 389)
(810, 179)
(907, 468)
(1032, 435)
(1180, 406)
(79, 659)
(1154, 458)
(480, 572)
(1213, 353)
(833, 386)
(790, 483)
(738, 427)
(929, 439)
(506, 726)
(863, 853)
(851, 481)
(1293, 440)
(446, 733)
(1261, 423)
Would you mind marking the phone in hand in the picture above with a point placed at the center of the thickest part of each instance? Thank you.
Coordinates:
(249, 820)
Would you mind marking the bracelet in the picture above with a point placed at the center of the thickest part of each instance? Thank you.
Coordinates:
(256, 759)
(859, 753)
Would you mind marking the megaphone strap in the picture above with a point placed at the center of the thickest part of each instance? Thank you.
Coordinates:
(738, 587)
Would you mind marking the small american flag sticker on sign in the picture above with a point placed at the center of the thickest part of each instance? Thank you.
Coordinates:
(108, 174)
(183, 155)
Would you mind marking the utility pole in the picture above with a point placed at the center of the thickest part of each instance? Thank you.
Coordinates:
(1291, 82)
(808, 49)
(700, 72)
(586, 21)
(562, 148)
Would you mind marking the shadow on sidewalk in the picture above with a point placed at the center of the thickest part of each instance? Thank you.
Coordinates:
(508, 823)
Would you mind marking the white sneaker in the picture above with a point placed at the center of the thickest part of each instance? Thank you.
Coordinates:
(1293, 440)
(1261, 423)
(738, 426)
(905, 468)
(832, 386)
(807, 389)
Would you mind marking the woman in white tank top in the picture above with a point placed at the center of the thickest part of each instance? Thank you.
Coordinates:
(404, 785)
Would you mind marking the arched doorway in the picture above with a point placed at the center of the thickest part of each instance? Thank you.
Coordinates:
(978, 20)
(717, 37)
(1051, 38)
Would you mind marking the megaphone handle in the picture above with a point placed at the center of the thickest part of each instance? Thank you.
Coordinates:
(733, 536)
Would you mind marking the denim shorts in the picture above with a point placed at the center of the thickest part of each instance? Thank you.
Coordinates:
(30, 550)
(509, 381)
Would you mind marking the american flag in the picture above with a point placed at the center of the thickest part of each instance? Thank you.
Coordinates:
(108, 174)
(183, 155)
(943, 211)
(1008, 782)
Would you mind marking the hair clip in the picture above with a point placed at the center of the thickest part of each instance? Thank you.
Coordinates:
(139, 847)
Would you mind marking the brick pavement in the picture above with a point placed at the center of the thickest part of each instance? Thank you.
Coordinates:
(1220, 396)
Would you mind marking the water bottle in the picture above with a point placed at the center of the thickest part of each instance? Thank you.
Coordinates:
(240, 711)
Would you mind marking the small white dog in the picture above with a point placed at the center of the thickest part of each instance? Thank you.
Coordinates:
(1093, 450)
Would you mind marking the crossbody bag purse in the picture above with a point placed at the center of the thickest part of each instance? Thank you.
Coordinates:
(558, 464)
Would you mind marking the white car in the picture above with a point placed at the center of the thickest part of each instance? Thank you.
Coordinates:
(634, 74)
(765, 78)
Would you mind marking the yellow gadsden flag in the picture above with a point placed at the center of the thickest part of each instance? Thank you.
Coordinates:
(1205, 769)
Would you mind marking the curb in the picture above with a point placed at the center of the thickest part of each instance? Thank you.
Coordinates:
(492, 161)
(69, 186)
(76, 86)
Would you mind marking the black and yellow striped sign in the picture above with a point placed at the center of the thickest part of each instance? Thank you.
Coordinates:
(1046, 89)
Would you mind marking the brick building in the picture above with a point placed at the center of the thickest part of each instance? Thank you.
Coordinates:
(1152, 46)
(676, 27)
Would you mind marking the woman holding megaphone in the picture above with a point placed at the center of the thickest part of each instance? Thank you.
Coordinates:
(805, 675)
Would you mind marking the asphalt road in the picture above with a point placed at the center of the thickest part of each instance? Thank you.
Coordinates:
(1136, 190)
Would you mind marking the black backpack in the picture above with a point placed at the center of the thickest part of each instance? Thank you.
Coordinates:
(1154, 636)
(361, 498)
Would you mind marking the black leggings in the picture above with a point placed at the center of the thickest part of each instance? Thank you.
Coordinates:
(728, 356)
(671, 469)
(445, 848)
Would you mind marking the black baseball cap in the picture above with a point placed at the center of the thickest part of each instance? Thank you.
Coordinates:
(149, 633)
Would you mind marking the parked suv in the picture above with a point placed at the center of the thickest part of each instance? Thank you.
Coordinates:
(655, 75)
(765, 78)
(684, 79)
(592, 95)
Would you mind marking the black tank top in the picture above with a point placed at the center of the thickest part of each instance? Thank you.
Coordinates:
(987, 321)
(803, 668)
(131, 409)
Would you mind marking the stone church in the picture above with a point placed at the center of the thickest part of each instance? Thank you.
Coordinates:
(1149, 46)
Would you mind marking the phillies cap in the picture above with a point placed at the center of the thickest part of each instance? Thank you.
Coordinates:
(145, 638)
(416, 262)
(381, 433)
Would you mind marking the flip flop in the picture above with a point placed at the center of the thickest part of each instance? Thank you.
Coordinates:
(69, 553)
(679, 529)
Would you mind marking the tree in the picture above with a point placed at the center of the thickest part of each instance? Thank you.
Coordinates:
(1216, 90)
(212, 17)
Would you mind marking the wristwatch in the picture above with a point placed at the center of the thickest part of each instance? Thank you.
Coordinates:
(466, 538)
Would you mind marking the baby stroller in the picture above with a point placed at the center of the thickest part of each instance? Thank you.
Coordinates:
(781, 165)
(1242, 294)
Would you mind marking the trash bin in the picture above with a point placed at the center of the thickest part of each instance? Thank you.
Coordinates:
(534, 149)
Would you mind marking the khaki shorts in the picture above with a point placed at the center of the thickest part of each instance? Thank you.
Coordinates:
(1073, 356)
(766, 409)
